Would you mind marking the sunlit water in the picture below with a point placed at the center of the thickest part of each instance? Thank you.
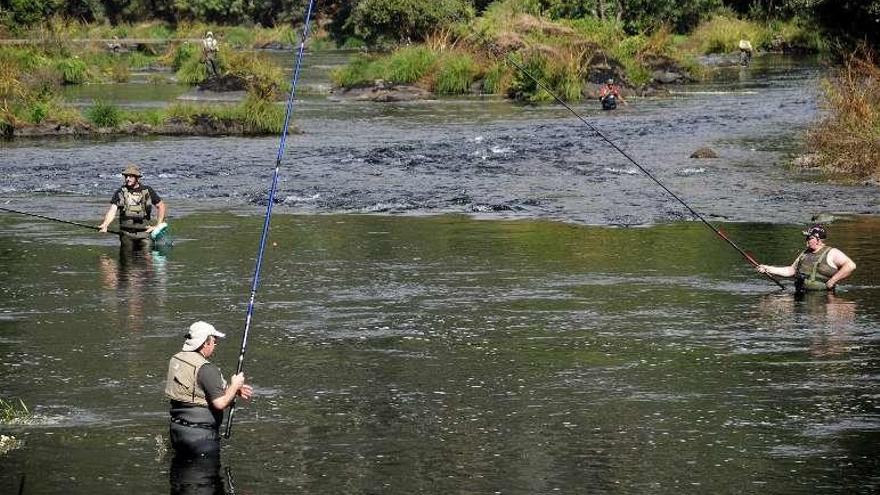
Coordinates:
(555, 353)
(480, 156)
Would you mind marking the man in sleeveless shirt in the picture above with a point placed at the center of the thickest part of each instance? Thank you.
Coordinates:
(818, 267)
(199, 394)
(134, 202)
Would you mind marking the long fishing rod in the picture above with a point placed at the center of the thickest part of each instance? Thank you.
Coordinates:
(44, 217)
(599, 133)
(265, 234)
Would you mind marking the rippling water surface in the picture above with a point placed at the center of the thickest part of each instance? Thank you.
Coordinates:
(546, 351)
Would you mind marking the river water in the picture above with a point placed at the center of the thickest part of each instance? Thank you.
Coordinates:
(451, 304)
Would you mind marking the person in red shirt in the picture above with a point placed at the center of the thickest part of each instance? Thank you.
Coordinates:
(609, 94)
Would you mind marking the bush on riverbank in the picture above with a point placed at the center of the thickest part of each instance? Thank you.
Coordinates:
(847, 140)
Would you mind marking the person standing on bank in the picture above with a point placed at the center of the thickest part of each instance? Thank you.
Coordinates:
(199, 394)
(134, 202)
(819, 267)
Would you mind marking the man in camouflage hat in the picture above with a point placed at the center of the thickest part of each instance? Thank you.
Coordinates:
(134, 202)
(818, 267)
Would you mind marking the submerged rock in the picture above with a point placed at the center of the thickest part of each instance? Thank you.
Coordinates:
(704, 152)
(8, 443)
(823, 218)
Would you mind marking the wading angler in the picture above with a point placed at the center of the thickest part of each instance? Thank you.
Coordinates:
(134, 202)
(818, 267)
(199, 394)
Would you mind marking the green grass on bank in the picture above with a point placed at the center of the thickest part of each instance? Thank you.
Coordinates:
(252, 116)
(32, 75)
(58, 30)
(570, 56)
(560, 54)
(12, 411)
(721, 34)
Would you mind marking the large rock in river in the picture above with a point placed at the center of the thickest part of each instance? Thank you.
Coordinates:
(381, 91)
(704, 152)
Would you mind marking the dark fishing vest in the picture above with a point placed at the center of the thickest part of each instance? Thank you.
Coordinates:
(182, 383)
(135, 209)
(813, 269)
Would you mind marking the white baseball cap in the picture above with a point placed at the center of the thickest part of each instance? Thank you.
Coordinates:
(198, 334)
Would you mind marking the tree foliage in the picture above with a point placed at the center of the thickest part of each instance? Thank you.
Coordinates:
(399, 20)
(404, 20)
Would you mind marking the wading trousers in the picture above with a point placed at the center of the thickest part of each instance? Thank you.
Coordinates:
(194, 440)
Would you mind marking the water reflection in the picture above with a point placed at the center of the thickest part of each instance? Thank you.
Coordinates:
(198, 475)
(134, 275)
(830, 315)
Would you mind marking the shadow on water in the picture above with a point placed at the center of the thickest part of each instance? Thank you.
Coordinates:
(199, 476)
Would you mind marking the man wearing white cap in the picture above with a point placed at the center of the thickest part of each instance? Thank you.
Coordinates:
(199, 394)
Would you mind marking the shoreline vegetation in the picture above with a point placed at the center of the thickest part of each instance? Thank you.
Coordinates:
(845, 142)
(33, 73)
(574, 57)
(415, 50)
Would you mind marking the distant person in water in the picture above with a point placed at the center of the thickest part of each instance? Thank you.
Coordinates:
(210, 48)
(199, 394)
(818, 267)
(134, 202)
(609, 94)
(745, 52)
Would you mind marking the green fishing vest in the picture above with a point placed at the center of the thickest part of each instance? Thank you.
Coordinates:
(815, 270)
(182, 381)
(134, 208)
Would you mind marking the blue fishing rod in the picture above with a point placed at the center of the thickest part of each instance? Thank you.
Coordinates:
(498, 53)
(265, 234)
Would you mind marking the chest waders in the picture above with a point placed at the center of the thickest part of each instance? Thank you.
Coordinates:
(190, 438)
(813, 271)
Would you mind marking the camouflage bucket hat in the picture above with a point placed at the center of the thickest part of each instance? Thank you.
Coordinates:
(132, 169)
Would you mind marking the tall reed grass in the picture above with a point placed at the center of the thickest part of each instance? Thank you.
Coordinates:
(73, 70)
(847, 139)
(12, 411)
(361, 71)
(456, 73)
(409, 64)
(104, 114)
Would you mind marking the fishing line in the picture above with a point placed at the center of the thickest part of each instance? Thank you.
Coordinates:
(274, 187)
(44, 217)
(495, 51)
